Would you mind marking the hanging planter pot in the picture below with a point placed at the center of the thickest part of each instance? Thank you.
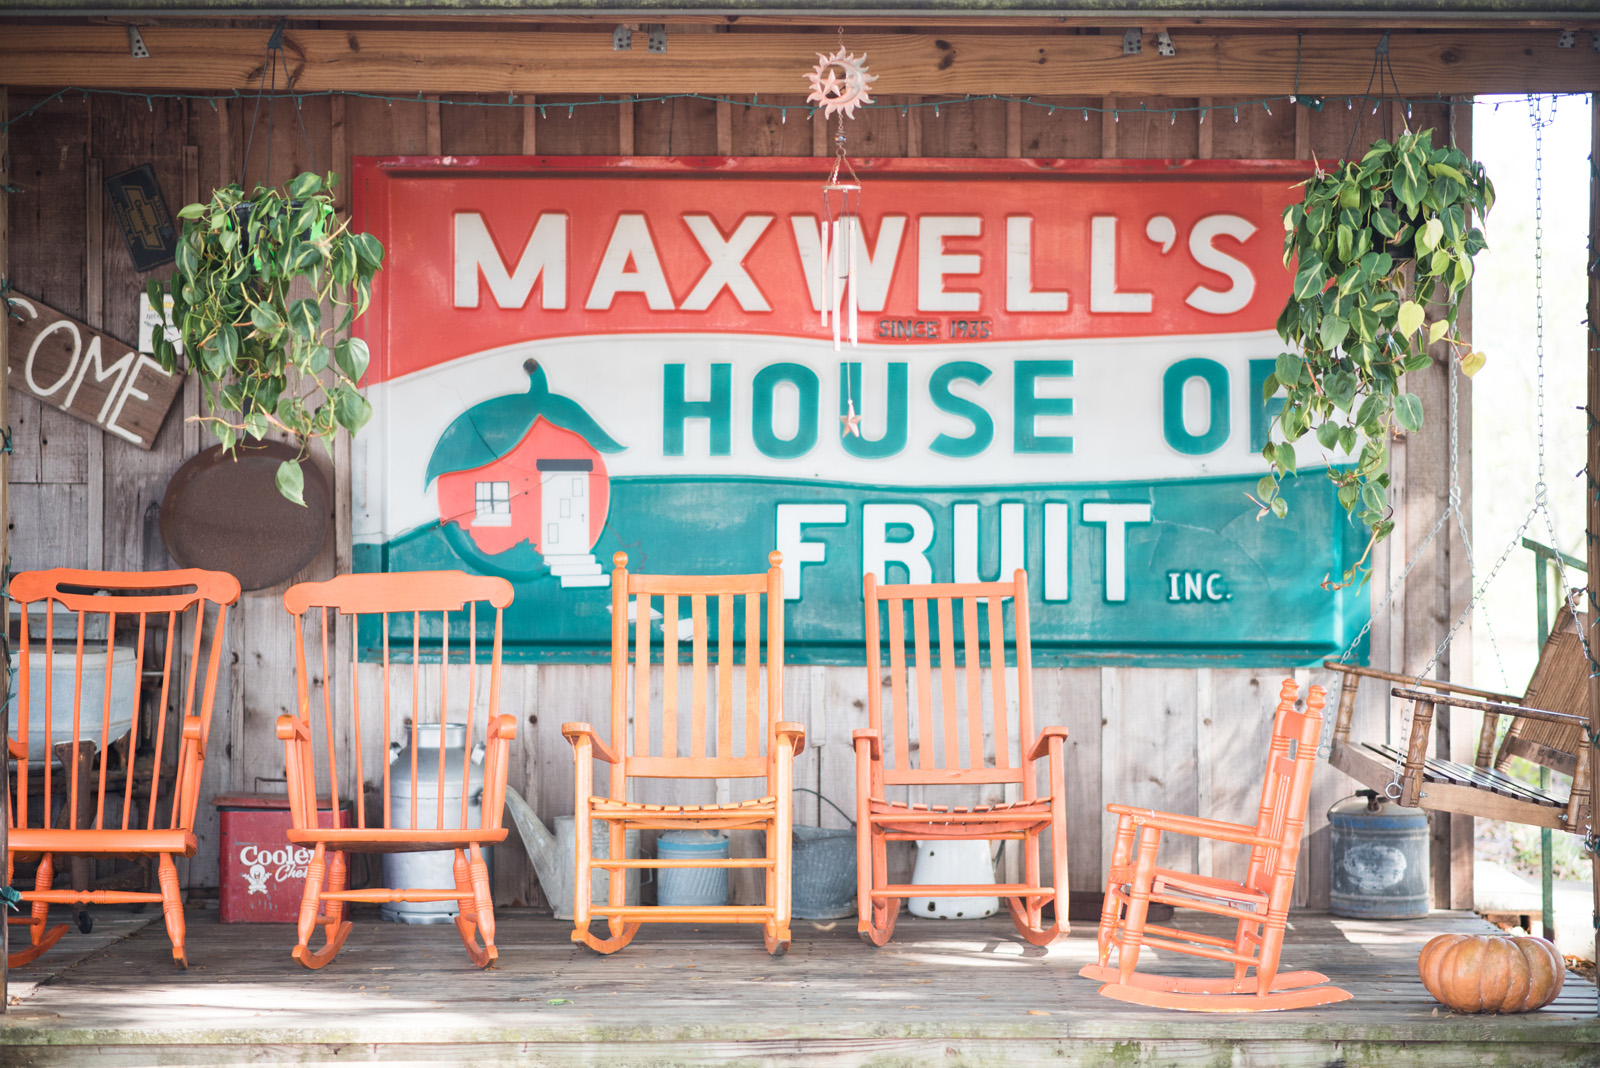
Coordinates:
(223, 511)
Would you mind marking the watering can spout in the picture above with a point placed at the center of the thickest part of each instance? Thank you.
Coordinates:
(536, 839)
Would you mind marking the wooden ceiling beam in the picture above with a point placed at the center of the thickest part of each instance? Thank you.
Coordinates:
(1034, 64)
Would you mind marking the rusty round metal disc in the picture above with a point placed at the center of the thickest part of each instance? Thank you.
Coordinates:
(225, 513)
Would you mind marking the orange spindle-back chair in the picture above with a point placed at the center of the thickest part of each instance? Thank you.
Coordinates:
(436, 619)
(161, 702)
(1259, 903)
(884, 750)
(750, 742)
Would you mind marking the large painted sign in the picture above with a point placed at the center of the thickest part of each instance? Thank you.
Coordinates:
(1060, 368)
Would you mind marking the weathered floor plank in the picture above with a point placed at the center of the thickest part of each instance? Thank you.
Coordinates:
(968, 993)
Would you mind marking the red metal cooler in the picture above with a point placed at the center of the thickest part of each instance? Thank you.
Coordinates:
(263, 876)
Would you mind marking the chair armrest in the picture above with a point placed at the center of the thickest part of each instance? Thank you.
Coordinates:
(191, 728)
(292, 727)
(579, 733)
(17, 748)
(1498, 708)
(873, 739)
(1406, 680)
(1193, 825)
(503, 727)
(791, 734)
(1042, 746)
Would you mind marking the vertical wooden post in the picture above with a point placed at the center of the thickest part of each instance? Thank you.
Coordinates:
(1457, 575)
(5, 519)
(94, 310)
(625, 127)
(724, 127)
(530, 125)
(1592, 540)
(434, 130)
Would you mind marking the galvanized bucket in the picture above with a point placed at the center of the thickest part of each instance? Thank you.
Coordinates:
(823, 885)
(692, 886)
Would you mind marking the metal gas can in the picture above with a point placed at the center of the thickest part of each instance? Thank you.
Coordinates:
(1380, 859)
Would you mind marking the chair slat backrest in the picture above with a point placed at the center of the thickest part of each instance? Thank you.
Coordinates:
(718, 729)
(961, 714)
(1286, 786)
(1560, 683)
(428, 629)
(158, 701)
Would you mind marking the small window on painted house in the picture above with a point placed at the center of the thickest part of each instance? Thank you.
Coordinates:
(493, 500)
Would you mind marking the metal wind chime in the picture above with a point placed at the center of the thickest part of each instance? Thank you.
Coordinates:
(839, 83)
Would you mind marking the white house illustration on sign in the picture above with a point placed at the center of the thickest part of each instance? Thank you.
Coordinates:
(564, 507)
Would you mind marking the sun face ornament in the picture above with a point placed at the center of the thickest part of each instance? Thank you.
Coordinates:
(839, 83)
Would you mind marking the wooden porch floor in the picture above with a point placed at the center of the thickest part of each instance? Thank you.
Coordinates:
(951, 993)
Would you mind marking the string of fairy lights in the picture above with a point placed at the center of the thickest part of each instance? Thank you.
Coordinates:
(1231, 110)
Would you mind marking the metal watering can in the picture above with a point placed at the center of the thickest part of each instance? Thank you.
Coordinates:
(554, 856)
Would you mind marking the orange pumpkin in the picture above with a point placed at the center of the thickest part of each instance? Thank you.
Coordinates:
(1491, 973)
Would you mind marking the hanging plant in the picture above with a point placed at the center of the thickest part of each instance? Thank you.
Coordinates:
(1377, 247)
(253, 277)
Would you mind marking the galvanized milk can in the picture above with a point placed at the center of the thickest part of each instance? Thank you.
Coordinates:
(432, 870)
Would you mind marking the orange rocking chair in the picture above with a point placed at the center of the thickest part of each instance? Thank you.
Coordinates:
(754, 745)
(1259, 904)
(106, 711)
(437, 651)
(886, 762)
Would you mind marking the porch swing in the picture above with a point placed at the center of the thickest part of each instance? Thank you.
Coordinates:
(1548, 721)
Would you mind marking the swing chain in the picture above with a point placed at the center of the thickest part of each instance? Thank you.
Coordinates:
(1541, 490)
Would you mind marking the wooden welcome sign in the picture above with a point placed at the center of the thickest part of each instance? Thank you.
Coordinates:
(70, 365)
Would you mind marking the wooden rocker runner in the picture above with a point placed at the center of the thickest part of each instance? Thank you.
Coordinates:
(80, 702)
(719, 745)
(438, 649)
(1259, 903)
(883, 756)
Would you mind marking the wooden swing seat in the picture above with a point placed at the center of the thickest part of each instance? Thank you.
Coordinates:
(1547, 725)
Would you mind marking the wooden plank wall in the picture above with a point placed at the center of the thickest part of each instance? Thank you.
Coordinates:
(1178, 739)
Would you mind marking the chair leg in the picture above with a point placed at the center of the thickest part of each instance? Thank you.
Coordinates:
(1241, 944)
(1132, 939)
(310, 901)
(333, 911)
(1111, 908)
(39, 936)
(475, 908)
(484, 900)
(1271, 951)
(1027, 914)
(1030, 875)
(878, 914)
(172, 908)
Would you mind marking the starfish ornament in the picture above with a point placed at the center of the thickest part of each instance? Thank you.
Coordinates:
(851, 421)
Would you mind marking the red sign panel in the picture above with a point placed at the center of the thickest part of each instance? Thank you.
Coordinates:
(1053, 249)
